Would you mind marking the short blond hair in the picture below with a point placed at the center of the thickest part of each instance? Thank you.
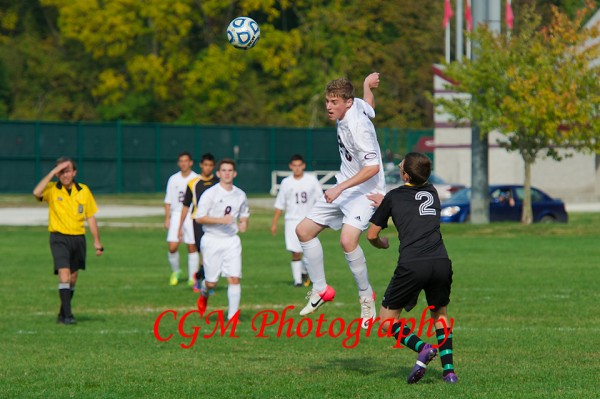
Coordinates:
(340, 88)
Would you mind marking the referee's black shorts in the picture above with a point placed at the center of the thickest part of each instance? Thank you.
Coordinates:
(68, 251)
(434, 276)
(198, 233)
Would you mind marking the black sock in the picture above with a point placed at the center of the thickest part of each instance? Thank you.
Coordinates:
(200, 273)
(445, 350)
(409, 339)
(65, 301)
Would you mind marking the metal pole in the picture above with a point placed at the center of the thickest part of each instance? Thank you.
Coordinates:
(484, 12)
(448, 42)
(119, 157)
(459, 30)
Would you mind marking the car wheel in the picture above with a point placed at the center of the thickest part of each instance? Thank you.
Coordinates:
(548, 219)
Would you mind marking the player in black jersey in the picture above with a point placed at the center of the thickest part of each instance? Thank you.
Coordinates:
(194, 190)
(423, 263)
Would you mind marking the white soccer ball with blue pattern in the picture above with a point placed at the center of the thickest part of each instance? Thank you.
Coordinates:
(243, 33)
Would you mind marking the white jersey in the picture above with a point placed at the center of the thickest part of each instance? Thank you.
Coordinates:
(357, 139)
(218, 202)
(297, 196)
(176, 187)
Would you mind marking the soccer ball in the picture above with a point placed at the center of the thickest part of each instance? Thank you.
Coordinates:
(243, 33)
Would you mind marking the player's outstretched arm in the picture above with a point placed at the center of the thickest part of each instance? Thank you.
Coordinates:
(362, 176)
(375, 240)
(371, 82)
(376, 198)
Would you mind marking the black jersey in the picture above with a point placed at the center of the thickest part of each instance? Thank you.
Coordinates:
(194, 190)
(415, 211)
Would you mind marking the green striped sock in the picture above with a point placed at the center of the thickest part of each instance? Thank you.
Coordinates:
(445, 350)
(410, 340)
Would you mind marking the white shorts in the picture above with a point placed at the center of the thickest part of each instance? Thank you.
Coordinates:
(352, 208)
(222, 256)
(292, 243)
(188, 229)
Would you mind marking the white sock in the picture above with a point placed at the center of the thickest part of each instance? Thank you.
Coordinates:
(297, 271)
(174, 260)
(234, 293)
(358, 266)
(313, 253)
(193, 264)
(304, 269)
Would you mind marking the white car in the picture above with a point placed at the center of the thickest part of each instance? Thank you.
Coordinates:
(444, 189)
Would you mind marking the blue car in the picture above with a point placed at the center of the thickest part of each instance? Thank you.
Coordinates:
(506, 204)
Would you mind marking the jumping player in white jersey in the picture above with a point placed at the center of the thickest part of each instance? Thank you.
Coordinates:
(219, 210)
(345, 205)
(296, 196)
(176, 187)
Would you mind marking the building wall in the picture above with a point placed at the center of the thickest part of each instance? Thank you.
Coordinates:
(574, 179)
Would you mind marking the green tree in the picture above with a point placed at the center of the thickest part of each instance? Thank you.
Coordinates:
(46, 80)
(5, 97)
(536, 88)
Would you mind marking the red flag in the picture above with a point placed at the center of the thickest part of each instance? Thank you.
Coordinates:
(447, 13)
(509, 15)
(469, 16)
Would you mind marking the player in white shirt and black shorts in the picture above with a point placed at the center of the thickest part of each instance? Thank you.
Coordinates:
(297, 194)
(175, 193)
(222, 212)
(345, 205)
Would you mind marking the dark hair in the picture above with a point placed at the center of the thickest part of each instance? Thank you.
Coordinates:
(207, 157)
(226, 161)
(185, 154)
(341, 88)
(418, 167)
(65, 159)
(296, 157)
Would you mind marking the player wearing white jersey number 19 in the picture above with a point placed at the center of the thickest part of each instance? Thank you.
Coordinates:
(222, 212)
(345, 205)
(297, 194)
(176, 187)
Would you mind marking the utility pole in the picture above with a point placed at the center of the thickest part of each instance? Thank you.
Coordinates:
(485, 12)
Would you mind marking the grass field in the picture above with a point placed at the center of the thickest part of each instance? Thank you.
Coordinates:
(525, 302)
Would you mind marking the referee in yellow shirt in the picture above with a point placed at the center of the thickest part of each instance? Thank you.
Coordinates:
(69, 204)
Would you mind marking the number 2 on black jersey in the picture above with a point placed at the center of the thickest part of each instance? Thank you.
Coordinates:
(424, 208)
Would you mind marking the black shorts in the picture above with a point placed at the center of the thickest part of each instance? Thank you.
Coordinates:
(67, 251)
(434, 276)
(198, 233)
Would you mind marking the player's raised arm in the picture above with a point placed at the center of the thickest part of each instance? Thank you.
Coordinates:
(38, 191)
(371, 82)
